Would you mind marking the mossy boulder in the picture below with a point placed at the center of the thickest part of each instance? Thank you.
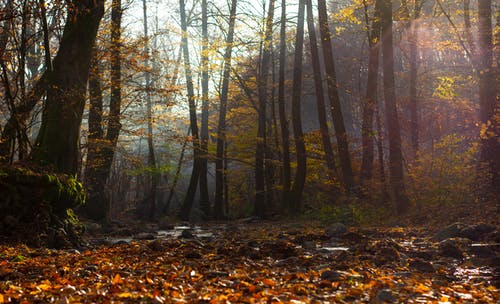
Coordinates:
(36, 207)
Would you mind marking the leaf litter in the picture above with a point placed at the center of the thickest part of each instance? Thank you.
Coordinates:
(264, 262)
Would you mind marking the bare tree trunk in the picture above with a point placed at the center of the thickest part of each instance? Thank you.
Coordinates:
(338, 118)
(193, 181)
(151, 196)
(57, 142)
(285, 136)
(300, 173)
(221, 128)
(320, 98)
(204, 196)
(488, 96)
(395, 155)
(261, 202)
(371, 98)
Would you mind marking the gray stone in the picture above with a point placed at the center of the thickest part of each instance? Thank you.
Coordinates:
(450, 231)
(421, 265)
(385, 295)
(336, 230)
(450, 248)
(331, 275)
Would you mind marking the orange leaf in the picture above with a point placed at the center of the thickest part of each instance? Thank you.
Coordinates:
(117, 279)
(2, 299)
(269, 282)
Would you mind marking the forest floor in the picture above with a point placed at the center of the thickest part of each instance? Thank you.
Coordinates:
(449, 256)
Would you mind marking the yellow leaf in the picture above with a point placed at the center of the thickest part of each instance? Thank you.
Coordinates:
(44, 286)
(125, 295)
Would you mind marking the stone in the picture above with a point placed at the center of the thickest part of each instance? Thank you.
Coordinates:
(336, 230)
(476, 232)
(186, 234)
(385, 295)
(331, 275)
(450, 248)
(421, 265)
(309, 245)
(453, 230)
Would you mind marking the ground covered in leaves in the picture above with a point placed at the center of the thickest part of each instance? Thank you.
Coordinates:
(255, 261)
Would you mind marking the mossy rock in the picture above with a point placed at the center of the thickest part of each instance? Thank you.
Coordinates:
(36, 207)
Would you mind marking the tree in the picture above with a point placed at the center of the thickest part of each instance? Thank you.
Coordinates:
(489, 103)
(153, 182)
(333, 94)
(395, 155)
(283, 118)
(58, 138)
(320, 98)
(204, 196)
(413, 28)
(101, 147)
(221, 127)
(195, 173)
(300, 148)
(262, 82)
(371, 97)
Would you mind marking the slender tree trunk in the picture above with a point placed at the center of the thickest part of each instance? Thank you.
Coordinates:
(151, 196)
(57, 142)
(101, 149)
(193, 181)
(221, 128)
(320, 98)
(370, 101)
(204, 196)
(285, 135)
(260, 163)
(338, 118)
(300, 173)
(488, 95)
(395, 155)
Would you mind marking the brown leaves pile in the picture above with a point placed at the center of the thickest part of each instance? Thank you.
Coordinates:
(225, 269)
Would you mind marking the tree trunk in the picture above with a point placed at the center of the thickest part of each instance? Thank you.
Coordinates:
(320, 98)
(101, 147)
(153, 176)
(336, 111)
(204, 196)
(395, 155)
(260, 153)
(187, 204)
(285, 135)
(221, 128)
(488, 95)
(300, 173)
(371, 98)
(58, 139)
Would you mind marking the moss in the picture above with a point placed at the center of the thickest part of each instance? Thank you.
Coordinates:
(35, 203)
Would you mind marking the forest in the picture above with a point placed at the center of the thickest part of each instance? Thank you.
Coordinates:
(249, 151)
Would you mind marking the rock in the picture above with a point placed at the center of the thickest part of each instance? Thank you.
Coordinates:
(476, 232)
(186, 234)
(450, 248)
(421, 265)
(336, 230)
(453, 230)
(331, 275)
(484, 250)
(156, 245)
(145, 236)
(353, 237)
(309, 245)
(385, 295)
